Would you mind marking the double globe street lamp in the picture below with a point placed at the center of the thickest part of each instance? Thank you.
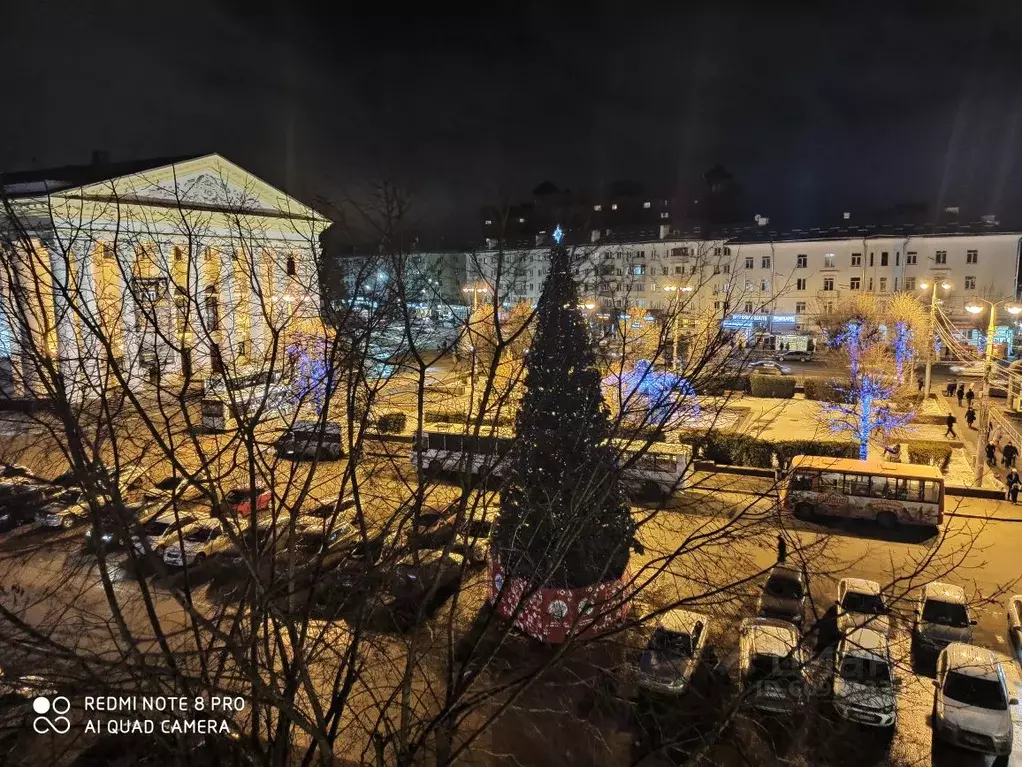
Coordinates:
(674, 289)
(932, 329)
(976, 306)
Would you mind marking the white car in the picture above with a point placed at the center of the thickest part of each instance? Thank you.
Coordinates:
(768, 368)
(1015, 624)
(942, 617)
(863, 688)
(773, 674)
(674, 652)
(194, 544)
(969, 369)
(971, 704)
(860, 603)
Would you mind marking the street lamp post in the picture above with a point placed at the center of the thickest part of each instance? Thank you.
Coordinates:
(472, 345)
(931, 334)
(975, 307)
(674, 323)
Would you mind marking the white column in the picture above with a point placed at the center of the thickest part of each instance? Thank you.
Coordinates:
(90, 348)
(68, 354)
(131, 366)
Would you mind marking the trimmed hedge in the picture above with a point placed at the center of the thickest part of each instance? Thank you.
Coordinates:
(716, 385)
(459, 417)
(778, 387)
(822, 390)
(743, 450)
(391, 423)
(930, 453)
(788, 449)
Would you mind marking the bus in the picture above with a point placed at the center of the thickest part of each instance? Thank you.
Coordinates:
(890, 493)
(658, 472)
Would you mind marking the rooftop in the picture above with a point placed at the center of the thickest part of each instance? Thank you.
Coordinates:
(861, 586)
(47, 180)
(864, 641)
(945, 592)
(769, 636)
(971, 660)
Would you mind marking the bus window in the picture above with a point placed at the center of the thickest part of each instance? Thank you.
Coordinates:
(908, 490)
(830, 480)
(882, 487)
(931, 491)
(667, 463)
(454, 443)
(857, 484)
(802, 480)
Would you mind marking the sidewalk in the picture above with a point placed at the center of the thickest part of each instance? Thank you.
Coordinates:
(970, 439)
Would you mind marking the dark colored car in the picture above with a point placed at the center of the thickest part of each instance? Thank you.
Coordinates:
(308, 439)
(784, 595)
(19, 502)
(794, 356)
(415, 574)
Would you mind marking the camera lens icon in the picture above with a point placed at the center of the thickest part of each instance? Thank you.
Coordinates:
(59, 705)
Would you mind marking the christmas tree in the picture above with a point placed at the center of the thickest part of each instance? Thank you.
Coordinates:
(563, 519)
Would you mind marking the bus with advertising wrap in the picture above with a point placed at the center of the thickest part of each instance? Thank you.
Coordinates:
(659, 471)
(889, 493)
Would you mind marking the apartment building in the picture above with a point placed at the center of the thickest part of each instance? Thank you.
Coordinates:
(180, 266)
(762, 281)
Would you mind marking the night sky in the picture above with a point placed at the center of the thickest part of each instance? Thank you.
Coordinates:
(813, 113)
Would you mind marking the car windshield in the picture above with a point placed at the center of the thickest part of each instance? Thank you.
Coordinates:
(201, 535)
(870, 604)
(671, 643)
(866, 671)
(167, 484)
(973, 691)
(784, 587)
(156, 527)
(945, 613)
(771, 666)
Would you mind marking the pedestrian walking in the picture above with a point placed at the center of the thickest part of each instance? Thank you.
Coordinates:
(970, 417)
(920, 382)
(949, 390)
(782, 549)
(991, 450)
(961, 394)
(951, 421)
(1010, 453)
(970, 395)
(1013, 484)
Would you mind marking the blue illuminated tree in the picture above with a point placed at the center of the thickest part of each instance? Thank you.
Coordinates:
(311, 374)
(663, 396)
(866, 410)
(902, 344)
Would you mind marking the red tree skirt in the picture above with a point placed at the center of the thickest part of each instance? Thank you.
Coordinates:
(553, 614)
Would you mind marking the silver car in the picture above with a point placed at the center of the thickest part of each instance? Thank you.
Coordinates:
(942, 617)
(971, 704)
(863, 688)
(674, 652)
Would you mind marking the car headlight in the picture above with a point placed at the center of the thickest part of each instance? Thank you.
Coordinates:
(107, 537)
(4, 517)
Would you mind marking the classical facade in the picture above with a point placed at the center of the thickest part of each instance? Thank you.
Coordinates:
(151, 270)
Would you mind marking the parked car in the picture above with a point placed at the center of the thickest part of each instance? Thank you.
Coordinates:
(969, 369)
(11, 470)
(1015, 624)
(242, 501)
(772, 666)
(415, 574)
(941, 617)
(783, 595)
(19, 502)
(66, 514)
(794, 356)
(174, 487)
(863, 687)
(327, 509)
(768, 368)
(673, 653)
(971, 703)
(309, 439)
(193, 544)
(158, 524)
(128, 478)
(861, 603)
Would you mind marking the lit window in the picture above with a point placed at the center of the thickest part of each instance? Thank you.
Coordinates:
(664, 214)
(828, 260)
(597, 208)
(645, 205)
(970, 283)
(521, 221)
(488, 222)
(613, 206)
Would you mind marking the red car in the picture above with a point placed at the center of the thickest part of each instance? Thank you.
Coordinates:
(242, 500)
